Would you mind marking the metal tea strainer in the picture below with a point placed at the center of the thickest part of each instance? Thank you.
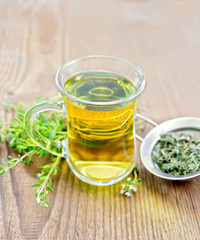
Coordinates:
(183, 124)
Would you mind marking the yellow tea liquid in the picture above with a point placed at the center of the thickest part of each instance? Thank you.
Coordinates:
(100, 138)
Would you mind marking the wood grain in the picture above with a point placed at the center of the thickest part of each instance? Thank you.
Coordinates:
(163, 37)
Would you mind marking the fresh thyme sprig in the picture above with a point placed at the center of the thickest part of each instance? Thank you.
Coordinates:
(131, 184)
(45, 182)
(13, 162)
(14, 134)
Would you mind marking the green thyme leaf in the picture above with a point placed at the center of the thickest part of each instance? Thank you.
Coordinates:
(9, 106)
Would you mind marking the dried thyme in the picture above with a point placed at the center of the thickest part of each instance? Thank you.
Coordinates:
(177, 153)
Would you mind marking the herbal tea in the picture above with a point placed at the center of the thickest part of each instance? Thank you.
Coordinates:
(100, 137)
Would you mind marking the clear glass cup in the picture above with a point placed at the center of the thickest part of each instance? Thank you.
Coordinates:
(100, 145)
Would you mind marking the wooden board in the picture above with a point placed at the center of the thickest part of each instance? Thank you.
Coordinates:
(163, 37)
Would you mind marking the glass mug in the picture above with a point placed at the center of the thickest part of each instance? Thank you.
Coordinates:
(99, 95)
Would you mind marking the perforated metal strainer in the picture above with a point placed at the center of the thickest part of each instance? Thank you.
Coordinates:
(183, 124)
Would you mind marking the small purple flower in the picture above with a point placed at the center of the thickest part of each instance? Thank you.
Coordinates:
(128, 194)
(122, 191)
(133, 188)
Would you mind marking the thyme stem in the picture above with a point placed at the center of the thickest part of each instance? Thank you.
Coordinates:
(43, 186)
(17, 161)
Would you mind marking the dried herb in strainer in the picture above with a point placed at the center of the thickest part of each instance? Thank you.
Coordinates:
(177, 153)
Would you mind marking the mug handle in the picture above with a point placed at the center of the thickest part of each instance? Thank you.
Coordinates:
(150, 121)
(54, 147)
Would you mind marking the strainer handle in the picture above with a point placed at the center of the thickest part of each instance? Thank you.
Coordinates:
(146, 120)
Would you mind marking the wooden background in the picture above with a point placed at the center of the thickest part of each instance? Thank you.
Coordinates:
(163, 37)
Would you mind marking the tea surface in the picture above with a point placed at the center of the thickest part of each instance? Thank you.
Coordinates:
(100, 138)
(99, 86)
